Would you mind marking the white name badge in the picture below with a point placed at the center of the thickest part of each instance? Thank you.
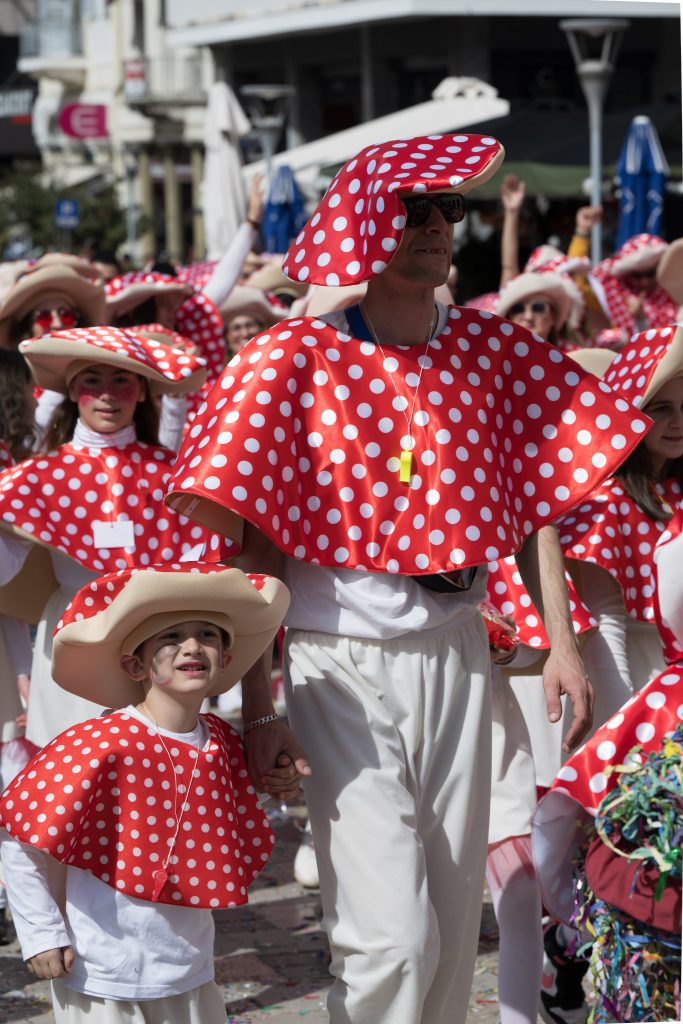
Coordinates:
(120, 534)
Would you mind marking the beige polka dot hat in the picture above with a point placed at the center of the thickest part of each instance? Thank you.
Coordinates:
(114, 614)
(56, 358)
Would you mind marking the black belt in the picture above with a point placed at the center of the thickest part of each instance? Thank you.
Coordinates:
(447, 583)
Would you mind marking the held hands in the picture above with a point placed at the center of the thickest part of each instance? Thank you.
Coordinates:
(564, 673)
(277, 764)
(512, 192)
(53, 963)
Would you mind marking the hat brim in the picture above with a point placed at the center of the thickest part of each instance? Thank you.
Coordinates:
(244, 300)
(669, 367)
(134, 295)
(594, 360)
(87, 295)
(645, 258)
(86, 653)
(51, 356)
(536, 282)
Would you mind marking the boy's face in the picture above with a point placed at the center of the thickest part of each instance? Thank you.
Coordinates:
(184, 658)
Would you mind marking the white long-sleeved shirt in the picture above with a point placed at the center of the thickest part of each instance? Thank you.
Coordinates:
(125, 948)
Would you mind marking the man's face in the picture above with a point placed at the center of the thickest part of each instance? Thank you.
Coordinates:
(424, 255)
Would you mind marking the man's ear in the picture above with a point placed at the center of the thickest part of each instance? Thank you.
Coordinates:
(133, 667)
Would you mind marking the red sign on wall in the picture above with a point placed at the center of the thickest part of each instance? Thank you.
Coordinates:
(84, 120)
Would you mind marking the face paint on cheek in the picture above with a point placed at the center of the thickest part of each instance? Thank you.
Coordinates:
(160, 669)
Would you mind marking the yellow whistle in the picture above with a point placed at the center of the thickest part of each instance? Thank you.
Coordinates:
(406, 467)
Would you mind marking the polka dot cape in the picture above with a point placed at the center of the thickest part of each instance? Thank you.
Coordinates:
(507, 592)
(57, 499)
(612, 531)
(101, 797)
(358, 224)
(302, 436)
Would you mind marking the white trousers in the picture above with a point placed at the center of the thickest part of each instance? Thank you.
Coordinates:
(398, 734)
(202, 1005)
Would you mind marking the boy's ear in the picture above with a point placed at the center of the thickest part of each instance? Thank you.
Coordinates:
(133, 667)
(226, 658)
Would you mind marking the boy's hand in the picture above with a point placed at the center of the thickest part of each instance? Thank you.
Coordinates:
(276, 762)
(53, 963)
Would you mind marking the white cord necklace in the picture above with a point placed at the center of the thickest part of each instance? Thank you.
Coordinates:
(160, 876)
(408, 443)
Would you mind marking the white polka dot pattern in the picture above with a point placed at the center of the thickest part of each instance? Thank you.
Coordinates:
(612, 531)
(302, 433)
(54, 499)
(507, 592)
(101, 797)
(358, 224)
(633, 367)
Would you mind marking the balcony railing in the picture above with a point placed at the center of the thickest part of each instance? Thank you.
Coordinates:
(173, 79)
(51, 39)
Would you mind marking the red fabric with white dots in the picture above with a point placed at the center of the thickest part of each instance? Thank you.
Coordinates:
(658, 306)
(612, 531)
(198, 274)
(101, 797)
(632, 369)
(55, 498)
(358, 224)
(507, 592)
(302, 436)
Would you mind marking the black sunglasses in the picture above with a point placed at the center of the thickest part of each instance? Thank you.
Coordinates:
(451, 206)
(538, 306)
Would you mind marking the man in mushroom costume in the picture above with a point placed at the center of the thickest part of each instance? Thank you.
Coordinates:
(378, 456)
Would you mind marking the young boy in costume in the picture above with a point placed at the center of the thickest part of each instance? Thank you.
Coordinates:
(125, 831)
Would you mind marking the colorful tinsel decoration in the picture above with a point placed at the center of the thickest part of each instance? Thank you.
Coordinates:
(637, 968)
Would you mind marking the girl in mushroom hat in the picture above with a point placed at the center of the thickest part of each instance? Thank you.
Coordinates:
(607, 836)
(175, 829)
(51, 296)
(627, 286)
(375, 450)
(92, 502)
(609, 539)
(542, 301)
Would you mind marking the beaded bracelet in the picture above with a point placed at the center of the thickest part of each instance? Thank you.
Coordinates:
(266, 720)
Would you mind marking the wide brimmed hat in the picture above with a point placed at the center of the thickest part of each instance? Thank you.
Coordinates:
(67, 259)
(646, 363)
(86, 295)
(595, 360)
(549, 257)
(359, 223)
(56, 358)
(128, 291)
(522, 287)
(269, 278)
(670, 271)
(641, 252)
(244, 300)
(114, 614)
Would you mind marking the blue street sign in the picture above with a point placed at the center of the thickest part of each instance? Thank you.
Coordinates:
(67, 214)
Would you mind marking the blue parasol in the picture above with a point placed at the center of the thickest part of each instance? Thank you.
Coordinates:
(284, 214)
(641, 170)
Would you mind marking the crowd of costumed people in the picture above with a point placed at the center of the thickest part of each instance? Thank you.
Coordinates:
(130, 500)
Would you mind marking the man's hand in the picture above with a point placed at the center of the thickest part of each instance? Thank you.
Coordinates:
(564, 673)
(53, 963)
(277, 764)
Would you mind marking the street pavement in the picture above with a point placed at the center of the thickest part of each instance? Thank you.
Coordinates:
(271, 955)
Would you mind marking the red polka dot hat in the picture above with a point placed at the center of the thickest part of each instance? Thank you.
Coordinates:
(359, 222)
(647, 362)
(56, 358)
(114, 614)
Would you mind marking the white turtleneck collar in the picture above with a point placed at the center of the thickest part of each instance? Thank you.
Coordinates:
(86, 438)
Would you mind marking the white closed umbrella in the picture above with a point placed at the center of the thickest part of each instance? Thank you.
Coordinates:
(224, 201)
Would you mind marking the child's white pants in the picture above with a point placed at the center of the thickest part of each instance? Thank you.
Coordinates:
(202, 1005)
(398, 733)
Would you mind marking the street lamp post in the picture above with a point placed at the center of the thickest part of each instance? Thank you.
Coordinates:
(130, 166)
(267, 108)
(594, 73)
